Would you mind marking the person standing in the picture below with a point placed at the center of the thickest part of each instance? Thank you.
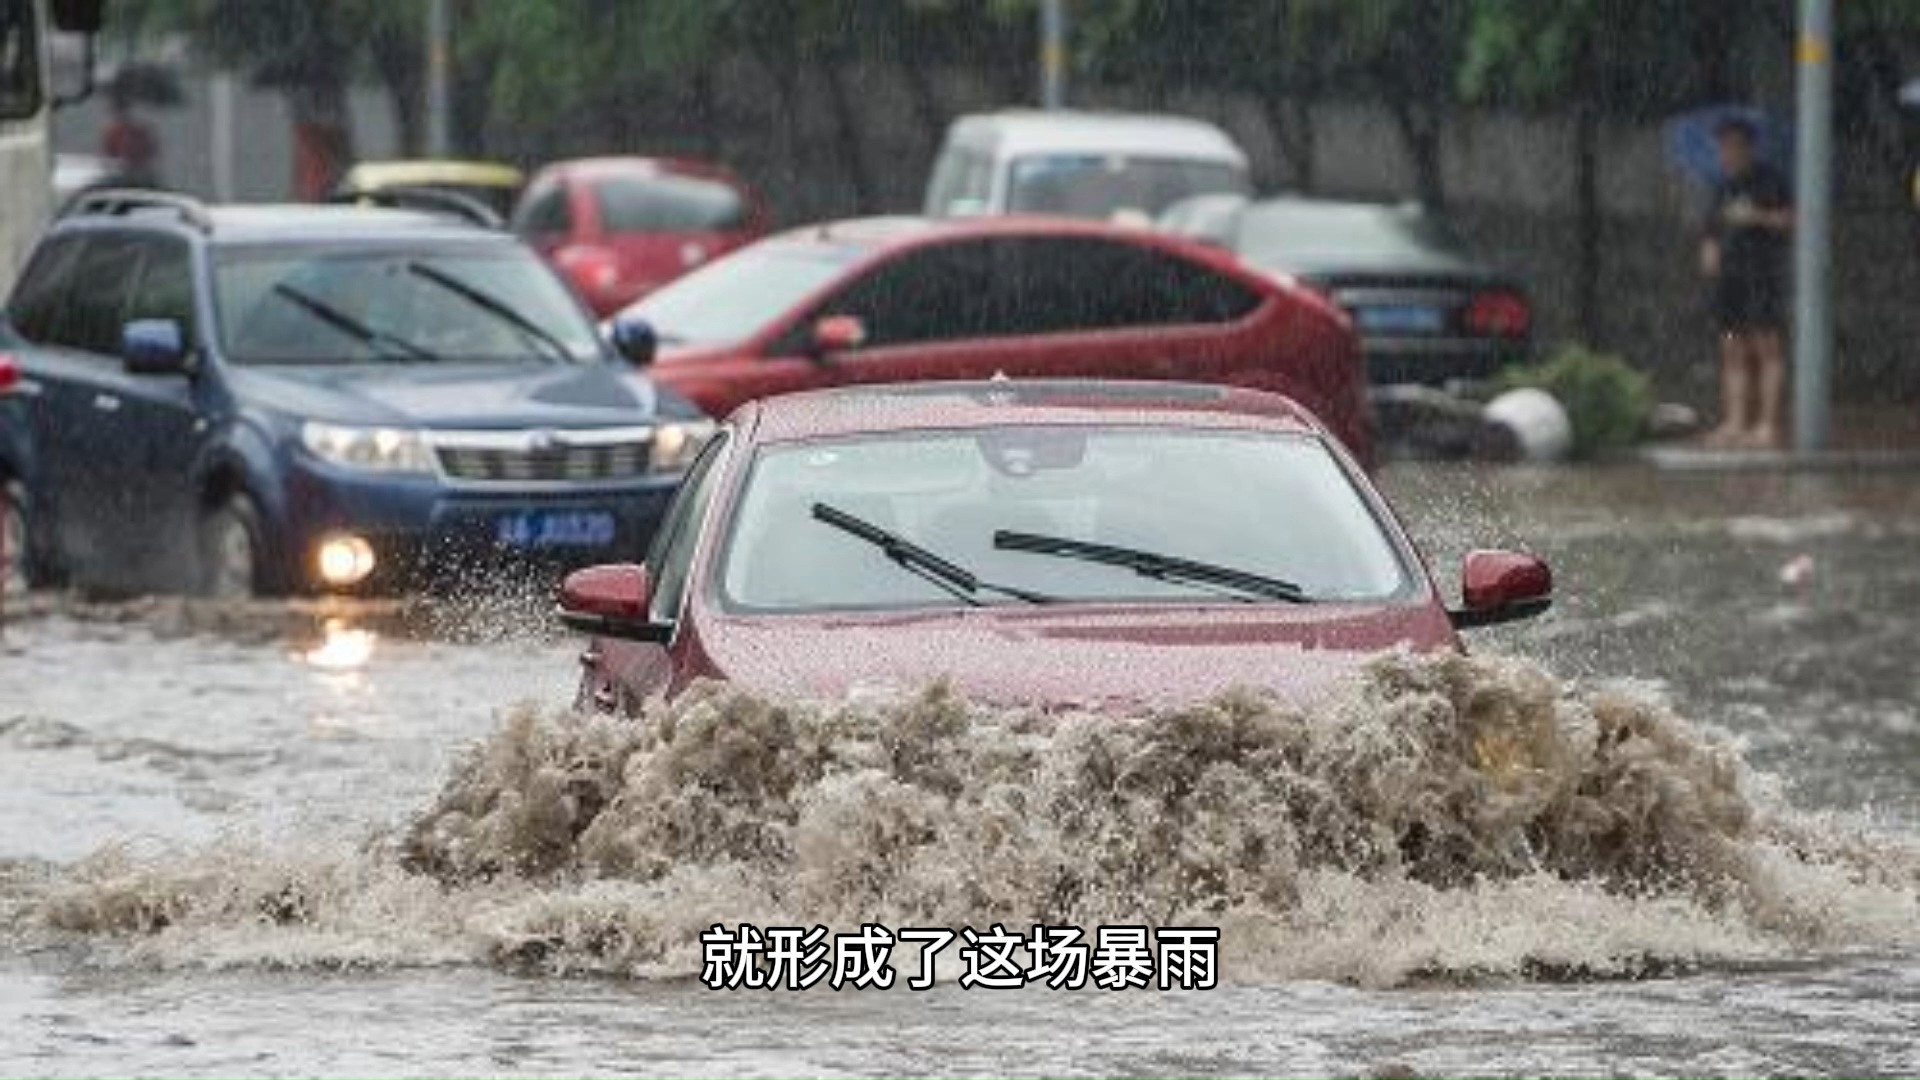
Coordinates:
(1744, 256)
(129, 143)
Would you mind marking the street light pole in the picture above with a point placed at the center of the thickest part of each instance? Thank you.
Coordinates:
(439, 141)
(1053, 54)
(1812, 234)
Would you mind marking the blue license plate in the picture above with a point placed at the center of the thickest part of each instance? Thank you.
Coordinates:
(1399, 319)
(555, 528)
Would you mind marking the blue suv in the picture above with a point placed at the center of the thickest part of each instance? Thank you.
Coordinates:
(267, 399)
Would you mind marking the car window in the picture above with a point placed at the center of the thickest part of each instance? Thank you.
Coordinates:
(935, 293)
(642, 204)
(35, 307)
(164, 289)
(93, 305)
(733, 298)
(1278, 505)
(313, 304)
(962, 180)
(1059, 284)
(545, 210)
(671, 558)
(1102, 185)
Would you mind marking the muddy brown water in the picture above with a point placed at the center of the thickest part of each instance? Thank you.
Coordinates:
(1673, 827)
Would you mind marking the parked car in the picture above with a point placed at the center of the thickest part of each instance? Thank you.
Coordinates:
(620, 227)
(274, 398)
(1427, 310)
(1032, 541)
(1081, 164)
(491, 184)
(909, 299)
(16, 465)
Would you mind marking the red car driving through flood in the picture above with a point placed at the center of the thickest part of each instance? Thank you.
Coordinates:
(889, 300)
(1032, 541)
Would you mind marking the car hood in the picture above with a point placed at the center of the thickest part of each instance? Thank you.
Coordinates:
(1111, 659)
(493, 395)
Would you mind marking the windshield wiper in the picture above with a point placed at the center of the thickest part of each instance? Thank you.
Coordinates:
(494, 306)
(1242, 583)
(954, 580)
(352, 327)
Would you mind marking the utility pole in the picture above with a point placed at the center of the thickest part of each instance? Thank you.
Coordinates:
(1053, 54)
(1812, 234)
(439, 140)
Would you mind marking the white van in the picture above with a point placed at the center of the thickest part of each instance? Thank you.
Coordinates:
(1080, 164)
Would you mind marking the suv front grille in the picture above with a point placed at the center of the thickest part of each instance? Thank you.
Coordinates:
(576, 456)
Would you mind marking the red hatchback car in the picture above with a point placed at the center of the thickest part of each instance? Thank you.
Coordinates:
(619, 227)
(888, 300)
(1035, 542)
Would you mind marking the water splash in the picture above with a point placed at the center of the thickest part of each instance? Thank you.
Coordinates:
(1451, 817)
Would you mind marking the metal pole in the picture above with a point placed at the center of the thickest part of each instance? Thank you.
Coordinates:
(1053, 54)
(221, 101)
(1812, 247)
(439, 141)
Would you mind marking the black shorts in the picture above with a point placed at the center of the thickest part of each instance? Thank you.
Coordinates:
(1746, 302)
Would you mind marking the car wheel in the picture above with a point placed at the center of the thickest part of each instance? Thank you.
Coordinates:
(230, 551)
(16, 575)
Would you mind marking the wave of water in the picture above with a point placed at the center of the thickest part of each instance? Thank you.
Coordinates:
(1452, 817)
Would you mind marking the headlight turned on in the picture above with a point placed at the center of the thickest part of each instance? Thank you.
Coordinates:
(374, 449)
(676, 444)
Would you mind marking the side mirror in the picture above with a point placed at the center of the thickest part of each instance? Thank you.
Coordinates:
(78, 16)
(1501, 586)
(155, 347)
(9, 373)
(634, 338)
(838, 333)
(612, 601)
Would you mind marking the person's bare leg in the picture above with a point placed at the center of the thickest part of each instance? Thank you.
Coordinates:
(1770, 364)
(1734, 389)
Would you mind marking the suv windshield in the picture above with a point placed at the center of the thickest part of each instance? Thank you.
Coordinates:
(1102, 185)
(314, 305)
(1274, 507)
(731, 299)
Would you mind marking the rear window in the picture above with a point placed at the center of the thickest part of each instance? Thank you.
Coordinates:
(668, 204)
(1103, 185)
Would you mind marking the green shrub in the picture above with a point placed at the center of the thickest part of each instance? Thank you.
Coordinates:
(1606, 399)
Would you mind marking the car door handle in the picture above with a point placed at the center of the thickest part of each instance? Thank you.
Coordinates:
(106, 403)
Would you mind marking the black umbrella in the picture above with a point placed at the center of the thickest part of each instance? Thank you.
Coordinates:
(141, 82)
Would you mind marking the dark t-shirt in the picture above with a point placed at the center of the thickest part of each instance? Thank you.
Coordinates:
(1750, 251)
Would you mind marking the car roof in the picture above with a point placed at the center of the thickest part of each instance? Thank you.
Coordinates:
(877, 409)
(1013, 132)
(271, 222)
(616, 165)
(895, 230)
(374, 175)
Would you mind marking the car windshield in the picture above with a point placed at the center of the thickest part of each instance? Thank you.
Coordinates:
(1319, 229)
(1103, 185)
(648, 204)
(731, 299)
(1275, 506)
(314, 305)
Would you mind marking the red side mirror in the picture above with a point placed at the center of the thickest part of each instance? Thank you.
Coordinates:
(1501, 586)
(9, 373)
(611, 601)
(838, 333)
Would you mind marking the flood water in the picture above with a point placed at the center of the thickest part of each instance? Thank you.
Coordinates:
(300, 840)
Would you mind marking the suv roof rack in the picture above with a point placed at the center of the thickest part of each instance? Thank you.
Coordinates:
(120, 202)
(426, 198)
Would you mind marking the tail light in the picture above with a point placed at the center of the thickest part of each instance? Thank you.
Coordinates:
(1499, 313)
(9, 373)
(594, 271)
